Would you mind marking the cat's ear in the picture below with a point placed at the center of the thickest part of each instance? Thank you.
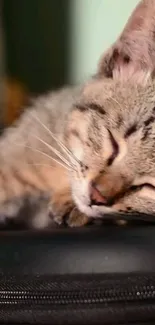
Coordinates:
(134, 51)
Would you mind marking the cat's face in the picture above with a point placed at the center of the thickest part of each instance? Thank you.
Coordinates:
(111, 132)
(112, 128)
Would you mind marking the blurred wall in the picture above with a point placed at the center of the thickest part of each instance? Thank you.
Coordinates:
(36, 50)
(49, 43)
(95, 24)
(2, 68)
(52, 42)
(36, 39)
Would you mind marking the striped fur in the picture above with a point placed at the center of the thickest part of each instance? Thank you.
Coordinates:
(27, 169)
(89, 149)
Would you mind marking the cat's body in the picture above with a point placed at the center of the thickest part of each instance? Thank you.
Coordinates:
(92, 147)
(27, 170)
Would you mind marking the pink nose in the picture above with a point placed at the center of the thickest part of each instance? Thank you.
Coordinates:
(96, 196)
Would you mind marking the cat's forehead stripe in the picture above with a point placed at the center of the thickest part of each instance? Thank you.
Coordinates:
(149, 120)
(132, 129)
(91, 106)
(96, 107)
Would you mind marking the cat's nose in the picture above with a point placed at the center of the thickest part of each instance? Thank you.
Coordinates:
(97, 198)
(106, 189)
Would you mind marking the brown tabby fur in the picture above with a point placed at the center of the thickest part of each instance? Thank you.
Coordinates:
(89, 149)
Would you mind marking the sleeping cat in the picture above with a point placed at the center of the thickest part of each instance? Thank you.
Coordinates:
(111, 132)
(90, 150)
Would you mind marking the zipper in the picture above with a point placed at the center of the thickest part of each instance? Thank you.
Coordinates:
(107, 295)
(77, 299)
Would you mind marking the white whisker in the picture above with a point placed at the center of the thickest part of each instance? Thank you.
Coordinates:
(53, 150)
(46, 155)
(63, 147)
(115, 101)
(37, 164)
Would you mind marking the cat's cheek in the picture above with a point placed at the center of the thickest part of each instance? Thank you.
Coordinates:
(147, 193)
(76, 148)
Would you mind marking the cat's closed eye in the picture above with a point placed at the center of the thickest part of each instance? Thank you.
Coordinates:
(115, 149)
(140, 186)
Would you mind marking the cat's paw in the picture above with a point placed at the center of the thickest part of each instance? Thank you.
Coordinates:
(77, 218)
(60, 206)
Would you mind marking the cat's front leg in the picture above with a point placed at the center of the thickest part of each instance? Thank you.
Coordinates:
(77, 218)
(61, 205)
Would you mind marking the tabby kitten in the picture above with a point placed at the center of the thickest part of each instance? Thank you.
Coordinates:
(91, 147)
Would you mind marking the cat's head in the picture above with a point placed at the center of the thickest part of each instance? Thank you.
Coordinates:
(111, 132)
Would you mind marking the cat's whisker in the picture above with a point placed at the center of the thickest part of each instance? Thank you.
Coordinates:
(69, 154)
(35, 164)
(78, 170)
(75, 161)
(71, 157)
(46, 155)
(51, 158)
(115, 101)
(54, 151)
(63, 147)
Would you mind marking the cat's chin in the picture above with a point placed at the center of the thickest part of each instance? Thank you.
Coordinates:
(93, 211)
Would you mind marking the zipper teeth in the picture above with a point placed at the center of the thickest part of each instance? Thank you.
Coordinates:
(75, 297)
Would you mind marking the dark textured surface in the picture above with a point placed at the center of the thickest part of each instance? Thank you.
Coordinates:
(118, 260)
(110, 259)
(87, 250)
(86, 316)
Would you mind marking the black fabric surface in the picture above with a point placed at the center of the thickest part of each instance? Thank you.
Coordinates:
(70, 251)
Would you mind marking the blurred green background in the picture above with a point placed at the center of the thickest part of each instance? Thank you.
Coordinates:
(52, 42)
(95, 25)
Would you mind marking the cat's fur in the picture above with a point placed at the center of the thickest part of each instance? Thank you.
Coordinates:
(104, 136)
(27, 170)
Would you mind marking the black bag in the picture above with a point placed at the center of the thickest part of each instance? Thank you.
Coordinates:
(103, 275)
